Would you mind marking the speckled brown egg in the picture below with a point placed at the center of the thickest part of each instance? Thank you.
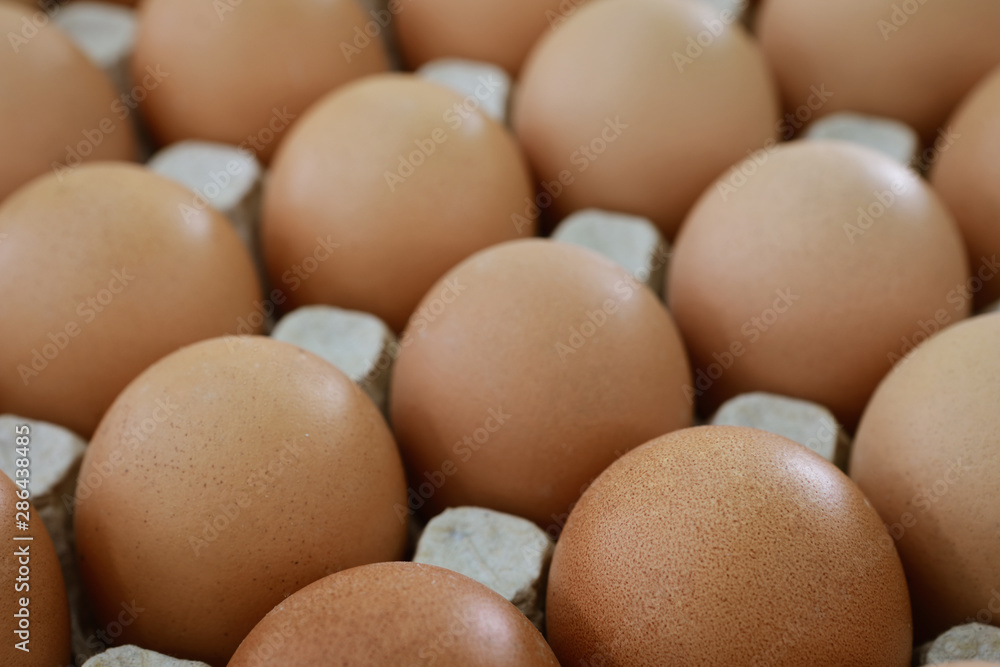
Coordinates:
(33, 605)
(242, 71)
(927, 453)
(57, 109)
(911, 60)
(809, 271)
(395, 614)
(726, 546)
(526, 371)
(225, 478)
(621, 108)
(383, 187)
(104, 270)
(496, 31)
(965, 173)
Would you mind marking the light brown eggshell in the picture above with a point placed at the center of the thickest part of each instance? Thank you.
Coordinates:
(56, 107)
(852, 52)
(160, 276)
(726, 546)
(507, 384)
(817, 301)
(966, 174)
(607, 104)
(225, 478)
(395, 614)
(331, 180)
(242, 72)
(48, 610)
(496, 31)
(927, 454)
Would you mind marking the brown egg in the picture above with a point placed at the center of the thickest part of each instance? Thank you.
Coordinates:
(242, 71)
(33, 605)
(911, 60)
(404, 181)
(225, 478)
(496, 31)
(927, 454)
(395, 614)
(966, 174)
(57, 109)
(621, 108)
(525, 372)
(726, 546)
(104, 270)
(809, 271)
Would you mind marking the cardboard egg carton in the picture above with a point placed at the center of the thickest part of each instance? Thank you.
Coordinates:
(632, 242)
(885, 135)
(807, 423)
(359, 344)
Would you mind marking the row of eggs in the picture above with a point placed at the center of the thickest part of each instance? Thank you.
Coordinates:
(810, 277)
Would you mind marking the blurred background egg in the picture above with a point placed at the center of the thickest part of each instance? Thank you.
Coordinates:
(913, 61)
(396, 614)
(57, 109)
(36, 577)
(230, 475)
(726, 546)
(808, 272)
(526, 371)
(104, 270)
(496, 31)
(966, 175)
(400, 182)
(243, 72)
(621, 108)
(927, 454)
